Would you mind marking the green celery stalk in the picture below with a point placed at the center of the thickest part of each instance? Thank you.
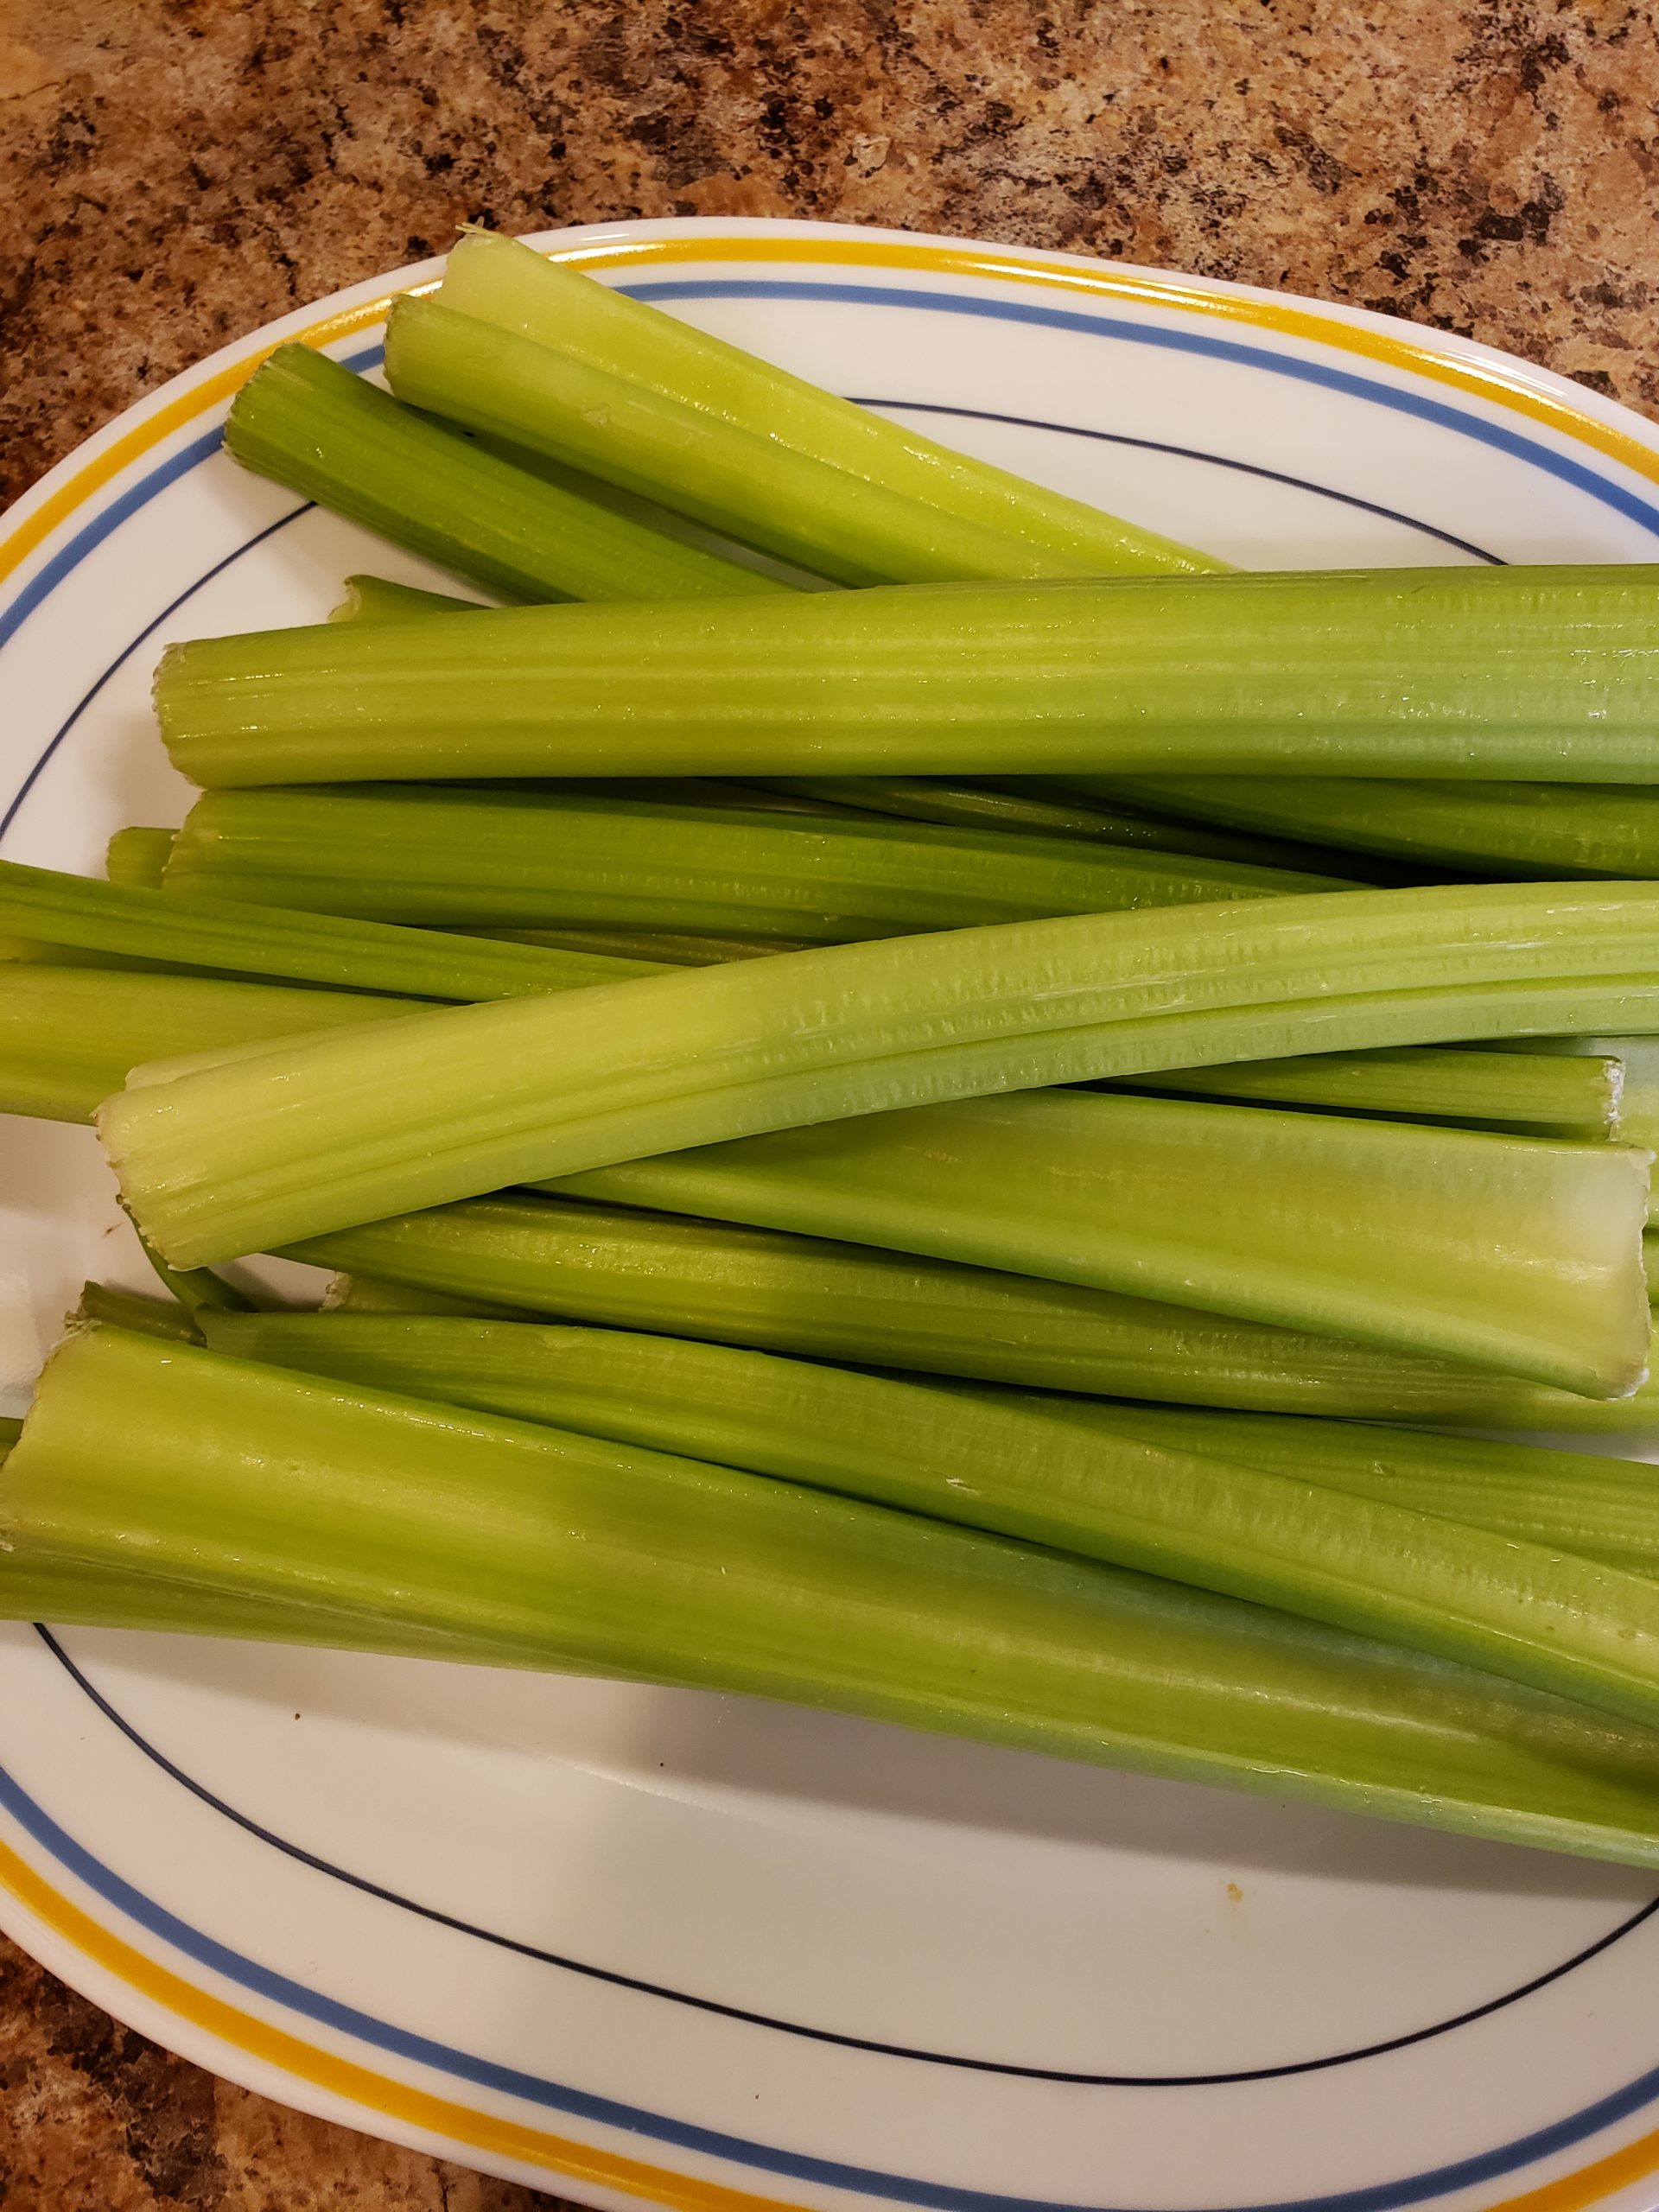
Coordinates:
(551, 360)
(10, 1430)
(412, 852)
(148, 1317)
(136, 858)
(661, 947)
(1638, 1062)
(1518, 1254)
(377, 599)
(1543, 829)
(448, 1103)
(362, 1294)
(1459, 673)
(70, 1036)
(320, 430)
(227, 933)
(1543, 1093)
(198, 1290)
(246, 1482)
(807, 1296)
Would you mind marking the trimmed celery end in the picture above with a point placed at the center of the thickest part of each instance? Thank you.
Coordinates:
(414, 853)
(804, 1295)
(146, 1316)
(377, 599)
(1456, 673)
(322, 431)
(137, 858)
(246, 1483)
(448, 1103)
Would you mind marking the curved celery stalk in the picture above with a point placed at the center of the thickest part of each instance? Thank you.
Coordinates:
(414, 853)
(1460, 673)
(228, 934)
(512, 1257)
(550, 359)
(70, 1036)
(1543, 1093)
(243, 1481)
(1546, 829)
(1566, 1624)
(138, 858)
(320, 430)
(448, 1103)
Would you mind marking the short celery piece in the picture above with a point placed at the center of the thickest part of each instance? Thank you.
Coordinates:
(136, 858)
(244, 1481)
(214, 927)
(1517, 1254)
(70, 1036)
(377, 599)
(775, 1292)
(322, 431)
(147, 1316)
(1340, 1555)
(1457, 673)
(449, 1103)
(419, 852)
(549, 359)
(1543, 829)
(1543, 1093)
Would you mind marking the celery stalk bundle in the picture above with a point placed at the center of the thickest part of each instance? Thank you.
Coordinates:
(252, 1486)
(1447, 672)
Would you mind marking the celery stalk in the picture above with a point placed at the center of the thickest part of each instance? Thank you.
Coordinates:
(414, 853)
(1542, 1093)
(148, 1317)
(377, 599)
(661, 947)
(232, 935)
(448, 1103)
(1638, 1062)
(804, 1295)
(550, 359)
(320, 430)
(1459, 673)
(241, 1481)
(136, 858)
(1275, 1530)
(362, 1294)
(70, 1036)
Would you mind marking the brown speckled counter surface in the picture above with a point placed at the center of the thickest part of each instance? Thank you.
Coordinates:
(174, 172)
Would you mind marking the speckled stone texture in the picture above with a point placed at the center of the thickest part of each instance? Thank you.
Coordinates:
(174, 172)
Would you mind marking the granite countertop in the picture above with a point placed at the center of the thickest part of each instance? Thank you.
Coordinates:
(174, 172)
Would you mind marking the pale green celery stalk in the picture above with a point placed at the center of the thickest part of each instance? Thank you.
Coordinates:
(804, 1295)
(1638, 1061)
(1342, 1556)
(1515, 1254)
(70, 1036)
(245, 1481)
(1540, 1093)
(362, 1294)
(219, 929)
(417, 853)
(661, 947)
(1544, 829)
(1596, 1506)
(377, 599)
(448, 1103)
(137, 858)
(1459, 673)
(322, 431)
(547, 357)
(148, 1317)
(198, 1290)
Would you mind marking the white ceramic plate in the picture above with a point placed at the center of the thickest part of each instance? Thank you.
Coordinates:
(638, 1945)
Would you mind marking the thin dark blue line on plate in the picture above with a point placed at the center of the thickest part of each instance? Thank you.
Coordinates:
(197, 1790)
(505, 2080)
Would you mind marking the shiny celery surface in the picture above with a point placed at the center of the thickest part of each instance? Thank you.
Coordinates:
(214, 926)
(243, 1482)
(136, 858)
(465, 1099)
(1335, 1555)
(804, 1295)
(550, 359)
(1458, 673)
(423, 853)
(315, 427)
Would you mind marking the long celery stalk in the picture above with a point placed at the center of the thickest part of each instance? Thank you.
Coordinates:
(415, 853)
(804, 1295)
(1458, 673)
(975, 1456)
(320, 430)
(551, 360)
(447, 1104)
(661, 947)
(212, 927)
(137, 857)
(1544, 829)
(245, 1481)
(70, 1036)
